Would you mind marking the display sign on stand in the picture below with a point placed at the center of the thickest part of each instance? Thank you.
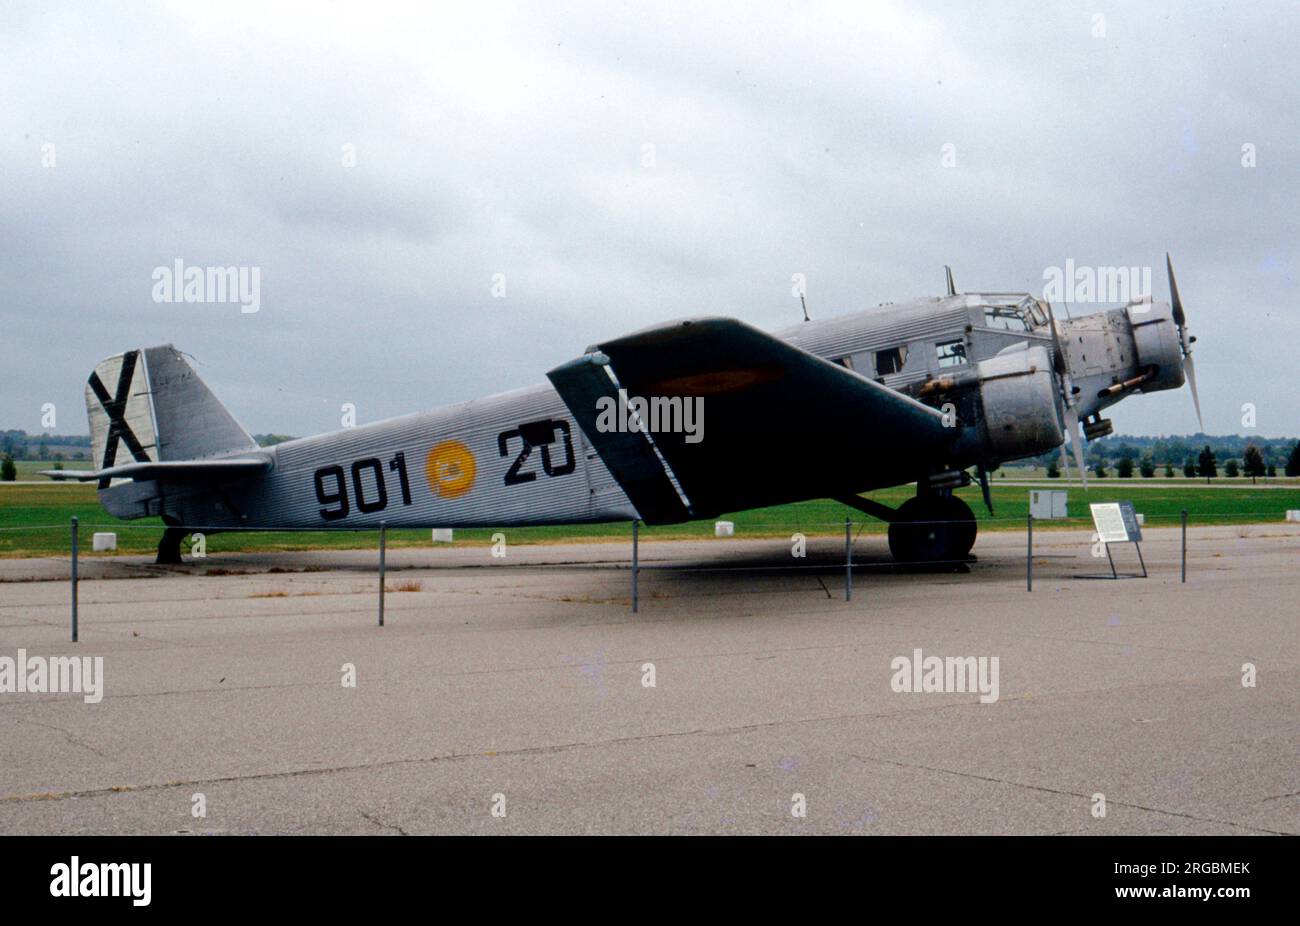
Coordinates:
(1117, 522)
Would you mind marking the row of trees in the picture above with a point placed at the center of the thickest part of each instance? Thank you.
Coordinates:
(1174, 450)
(23, 446)
(1204, 465)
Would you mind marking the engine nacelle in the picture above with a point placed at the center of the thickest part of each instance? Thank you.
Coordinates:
(1019, 394)
(1155, 336)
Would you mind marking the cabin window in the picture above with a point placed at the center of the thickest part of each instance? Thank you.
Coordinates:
(890, 360)
(951, 353)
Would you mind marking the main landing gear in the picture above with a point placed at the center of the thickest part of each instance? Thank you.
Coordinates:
(932, 528)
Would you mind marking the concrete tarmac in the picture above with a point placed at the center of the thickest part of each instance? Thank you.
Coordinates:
(511, 695)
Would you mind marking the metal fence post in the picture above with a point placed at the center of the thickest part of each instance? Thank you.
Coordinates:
(636, 567)
(383, 543)
(75, 522)
(1029, 556)
(1184, 578)
(848, 559)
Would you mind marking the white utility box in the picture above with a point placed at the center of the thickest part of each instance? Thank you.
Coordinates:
(1048, 504)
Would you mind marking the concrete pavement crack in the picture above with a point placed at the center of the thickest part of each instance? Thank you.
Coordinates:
(382, 825)
(1062, 792)
(68, 736)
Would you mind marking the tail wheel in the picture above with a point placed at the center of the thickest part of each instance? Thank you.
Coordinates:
(930, 528)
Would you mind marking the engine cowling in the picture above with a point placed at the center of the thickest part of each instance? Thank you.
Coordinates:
(1155, 336)
(1020, 398)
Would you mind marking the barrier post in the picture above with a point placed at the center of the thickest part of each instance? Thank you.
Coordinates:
(75, 522)
(848, 559)
(636, 568)
(1184, 578)
(383, 543)
(1029, 556)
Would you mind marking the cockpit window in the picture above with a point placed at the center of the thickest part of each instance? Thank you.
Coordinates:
(1006, 317)
(890, 360)
(1035, 312)
(951, 353)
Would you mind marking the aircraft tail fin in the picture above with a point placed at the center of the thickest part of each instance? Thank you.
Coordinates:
(150, 406)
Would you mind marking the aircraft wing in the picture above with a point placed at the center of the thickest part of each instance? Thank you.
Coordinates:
(778, 424)
(218, 470)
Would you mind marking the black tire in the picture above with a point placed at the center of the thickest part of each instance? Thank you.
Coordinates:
(932, 528)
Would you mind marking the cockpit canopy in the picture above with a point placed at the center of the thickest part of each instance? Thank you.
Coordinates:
(1015, 312)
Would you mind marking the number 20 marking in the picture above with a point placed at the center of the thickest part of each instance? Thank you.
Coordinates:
(537, 434)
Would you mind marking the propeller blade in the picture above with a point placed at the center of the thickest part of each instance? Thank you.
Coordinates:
(1076, 443)
(1180, 319)
(1189, 369)
(1059, 361)
(1184, 339)
(952, 287)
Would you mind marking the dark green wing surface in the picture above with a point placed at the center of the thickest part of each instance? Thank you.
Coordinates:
(779, 424)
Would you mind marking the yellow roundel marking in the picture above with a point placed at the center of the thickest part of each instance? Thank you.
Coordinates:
(450, 469)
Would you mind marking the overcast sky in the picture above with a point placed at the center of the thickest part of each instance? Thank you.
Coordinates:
(513, 139)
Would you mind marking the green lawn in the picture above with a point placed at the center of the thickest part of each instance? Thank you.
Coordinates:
(34, 519)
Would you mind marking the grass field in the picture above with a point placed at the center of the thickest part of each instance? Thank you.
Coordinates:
(34, 519)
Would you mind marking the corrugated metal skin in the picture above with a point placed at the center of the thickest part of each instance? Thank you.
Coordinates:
(287, 497)
(926, 320)
(918, 325)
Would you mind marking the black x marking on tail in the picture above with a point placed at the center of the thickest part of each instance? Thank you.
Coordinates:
(115, 408)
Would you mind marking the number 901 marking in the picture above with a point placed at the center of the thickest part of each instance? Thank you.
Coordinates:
(371, 495)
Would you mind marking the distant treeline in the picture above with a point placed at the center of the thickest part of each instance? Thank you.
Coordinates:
(19, 445)
(1177, 450)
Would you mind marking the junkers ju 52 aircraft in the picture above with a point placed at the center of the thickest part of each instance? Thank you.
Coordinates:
(921, 391)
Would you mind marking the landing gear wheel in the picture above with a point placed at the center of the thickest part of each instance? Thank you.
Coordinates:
(932, 528)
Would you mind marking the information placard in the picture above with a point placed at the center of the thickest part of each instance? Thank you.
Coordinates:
(1112, 527)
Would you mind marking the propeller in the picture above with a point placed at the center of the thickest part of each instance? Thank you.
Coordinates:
(952, 287)
(1070, 415)
(1185, 339)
